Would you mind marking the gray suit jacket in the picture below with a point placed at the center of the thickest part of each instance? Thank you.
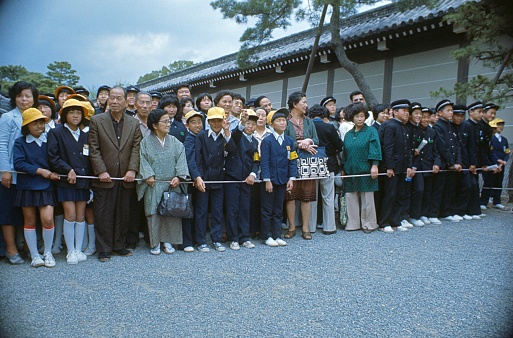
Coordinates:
(105, 153)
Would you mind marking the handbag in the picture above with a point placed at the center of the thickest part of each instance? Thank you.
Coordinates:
(176, 204)
(312, 166)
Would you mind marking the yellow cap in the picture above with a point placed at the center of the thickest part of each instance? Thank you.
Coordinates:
(31, 115)
(493, 123)
(192, 113)
(74, 103)
(216, 113)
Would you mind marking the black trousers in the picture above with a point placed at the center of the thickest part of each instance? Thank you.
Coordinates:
(138, 221)
(463, 188)
(449, 194)
(428, 208)
(395, 202)
(491, 180)
(111, 217)
(417, 191)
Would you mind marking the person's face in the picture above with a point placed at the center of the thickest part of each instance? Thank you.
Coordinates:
(36, 128)
(433, 118)
(195, 124)
(162, 127)
(226, 103)
(489, 114)
(262, 117)
(154, 103)
(425, 119)
(143, 105)
(171, 109)
(74, 117)
(446, 113)
(279, 124)
(302, 105)
(332, 107)
(382, 116)
(24, 100)
(359, 119)
(187, 107)
(250, 127)
(266, 104)
(216, 125)
(476, 114)
(415, 116)
(117, 102)
(183, 93)
(237, 106)
(500, 128)
(62, 97)
(458, 118)
(402, 114)
(103, 96)
(47, 111)
(358, 98)
(130, 99)
(205, 104)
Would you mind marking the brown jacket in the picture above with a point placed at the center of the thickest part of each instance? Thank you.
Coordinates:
(105, 153)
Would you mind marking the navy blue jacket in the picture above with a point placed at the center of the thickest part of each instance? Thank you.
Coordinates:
(447, 144)
(65, 153)
(178, 130)
(414, 134)
(395, 146)
(210, 157)
(241, 162)
(28, 157)
(189, 145)
(484, 145)
(467, 144)
(274, 162)
(428, 156)
(500, 149)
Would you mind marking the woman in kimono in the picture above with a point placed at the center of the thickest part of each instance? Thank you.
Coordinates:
(362, 153)
(163, 163)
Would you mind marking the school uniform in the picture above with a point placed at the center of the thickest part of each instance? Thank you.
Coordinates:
(427, 158)
(486, 158)
(500, 150)
(209, 152)
(473, 129)
(187, 223)
(178, 130)
(417, 183)
(396, 151)
(239, 165)
(29, 154)
(277, 166)
(69, 150)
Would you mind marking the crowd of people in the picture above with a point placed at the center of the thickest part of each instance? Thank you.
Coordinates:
(93, 173)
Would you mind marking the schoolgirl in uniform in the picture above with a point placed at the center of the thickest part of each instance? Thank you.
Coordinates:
(34, 189)
(68, 154)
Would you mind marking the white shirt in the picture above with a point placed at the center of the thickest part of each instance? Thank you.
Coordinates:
(76, 133)
(214, 136)
(498, 136)
(40, 140)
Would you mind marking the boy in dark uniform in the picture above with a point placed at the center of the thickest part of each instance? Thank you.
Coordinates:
(488, 157)
(417, 182)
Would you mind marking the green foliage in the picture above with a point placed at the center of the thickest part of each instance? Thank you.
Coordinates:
(486, 23)
(172, 68)
(62, 73)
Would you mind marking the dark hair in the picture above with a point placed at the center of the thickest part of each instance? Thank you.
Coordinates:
(318, 111)
(119, 87)
(17, 88)
(154, 118)
(183, 102)
(354, 93)
(201, 97)
(258, 99)
(338, 114)
(294, 98)
(171, 99)
(378, 109)
(66, 110)
(237, 96)
(356, 108)
(181, 85)
(221, 94)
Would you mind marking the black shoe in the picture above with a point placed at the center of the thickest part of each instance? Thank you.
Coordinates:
(329, 232)
(123, 252)
(104, 256)
(130, 246)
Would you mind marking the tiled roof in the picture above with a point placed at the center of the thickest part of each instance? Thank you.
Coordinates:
(378, 23)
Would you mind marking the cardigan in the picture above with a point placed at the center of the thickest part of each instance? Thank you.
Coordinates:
(241, 162)
(10, 130)
(28, 157)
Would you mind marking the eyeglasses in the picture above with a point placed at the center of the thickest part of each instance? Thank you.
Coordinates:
(165, 122)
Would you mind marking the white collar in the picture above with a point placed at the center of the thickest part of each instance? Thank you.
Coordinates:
(276, 135)
(76, 132)
(39, 140)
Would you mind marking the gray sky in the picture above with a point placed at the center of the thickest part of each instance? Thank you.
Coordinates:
(115, 41)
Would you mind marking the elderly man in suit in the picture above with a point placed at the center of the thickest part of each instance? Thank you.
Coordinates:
(114, 140)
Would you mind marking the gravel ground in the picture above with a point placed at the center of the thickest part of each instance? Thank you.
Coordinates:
(451, 280)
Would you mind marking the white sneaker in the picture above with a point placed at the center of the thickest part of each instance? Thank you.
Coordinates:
(280, 242)
(388, 229)
(219, 247)
(89, 251)
(81, 256)
(416, 222)
(451, 219)
(499, 206)
(49, 260)
(168, 248)
(155, 250)
(476, 217)
(482, 215)
(203, 248)
(271, 242)
(458, 217)
(406, 224)
(402, 228)
(425, 220)
(467, 217)
(188, 249)
(234, 245)
(248, 244)
(37, 261)
(72, 258)
(483, 207)
(434, 220)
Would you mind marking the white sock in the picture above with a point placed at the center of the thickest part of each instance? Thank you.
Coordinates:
(92, 236)
(58, 222)
(31, 240)
(48, 239)
(79, 234)
(69, 235)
